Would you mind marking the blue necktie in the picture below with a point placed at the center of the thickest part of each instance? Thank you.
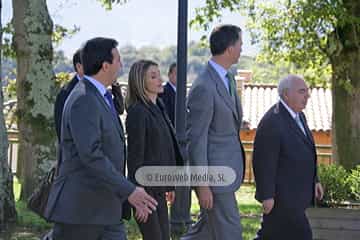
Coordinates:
(109, 99)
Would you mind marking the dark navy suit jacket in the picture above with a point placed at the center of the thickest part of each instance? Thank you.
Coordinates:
(60, 102)
(284, 160)
(168, 97)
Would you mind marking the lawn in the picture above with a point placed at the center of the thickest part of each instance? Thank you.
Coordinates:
(29, 226)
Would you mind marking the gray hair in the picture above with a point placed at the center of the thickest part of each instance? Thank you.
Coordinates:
(287, 82)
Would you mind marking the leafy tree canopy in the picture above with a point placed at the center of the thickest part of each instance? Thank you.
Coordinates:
(300, 32)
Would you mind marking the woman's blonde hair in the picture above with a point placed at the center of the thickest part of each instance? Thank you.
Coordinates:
(136, 82)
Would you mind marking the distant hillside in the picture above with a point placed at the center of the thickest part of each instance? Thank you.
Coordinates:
(197, 57)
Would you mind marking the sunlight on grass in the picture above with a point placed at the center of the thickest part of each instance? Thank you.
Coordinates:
(17, 188)
(249, 208)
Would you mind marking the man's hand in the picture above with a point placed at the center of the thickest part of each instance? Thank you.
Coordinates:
(170, 197)
(205, 197)
(143, 203)
(268, 205)
(319, 191)
(141, 216)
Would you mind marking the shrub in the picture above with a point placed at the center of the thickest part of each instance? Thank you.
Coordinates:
(353, 182)
(333, 178)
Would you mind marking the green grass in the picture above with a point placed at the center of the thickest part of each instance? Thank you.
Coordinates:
(29, 226)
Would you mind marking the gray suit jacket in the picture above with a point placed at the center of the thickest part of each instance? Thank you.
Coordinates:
(213, 125)
(91, 186)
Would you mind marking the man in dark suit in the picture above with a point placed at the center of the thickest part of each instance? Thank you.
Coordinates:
(86, 198)
(214, 117)
(284, 163)
(169, 94)
(180, 217)
(65, 91)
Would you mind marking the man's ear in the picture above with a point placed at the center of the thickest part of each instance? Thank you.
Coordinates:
(78, 67)
(285, 94)
(105, 66)
(229, 49)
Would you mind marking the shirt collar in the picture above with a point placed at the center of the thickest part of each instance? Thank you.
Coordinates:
(99, 86)
(172, 85)
(218, 68)
(292, 113)
(78, 77)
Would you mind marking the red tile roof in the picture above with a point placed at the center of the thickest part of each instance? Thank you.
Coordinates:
(257, 99)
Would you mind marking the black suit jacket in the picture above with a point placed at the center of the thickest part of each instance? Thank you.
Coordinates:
(60, 102)
(168, 97)
(91, 186)
(151, 138)
(284, 160)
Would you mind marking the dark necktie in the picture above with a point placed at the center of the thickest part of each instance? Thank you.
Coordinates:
(109, 98)
(231, 81)
(299, 123)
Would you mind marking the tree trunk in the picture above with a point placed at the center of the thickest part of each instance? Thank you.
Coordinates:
(35, 91)
(346, 90)
(7, 203)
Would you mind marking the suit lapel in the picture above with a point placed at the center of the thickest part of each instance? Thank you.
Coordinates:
(223, 92)
(106, 107)
(170, 89)
(293, 125)
(307, 130)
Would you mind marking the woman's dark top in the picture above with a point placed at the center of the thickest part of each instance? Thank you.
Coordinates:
(151, 139)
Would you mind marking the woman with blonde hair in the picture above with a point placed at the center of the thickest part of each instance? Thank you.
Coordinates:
(151, 142)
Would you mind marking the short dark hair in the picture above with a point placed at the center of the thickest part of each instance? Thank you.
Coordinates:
(95, 52)
(171, 68)
(76, 58)
(223, 37)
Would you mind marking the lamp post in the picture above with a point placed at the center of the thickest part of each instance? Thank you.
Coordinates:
(180, 217)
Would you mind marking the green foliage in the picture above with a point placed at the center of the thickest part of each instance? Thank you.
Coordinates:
(333, 178)
(211, 11)
(339, 184)
(108, 4)
(299, 32)
(10, 89)
(354, 183)
(6, 47)
(62, 78)
(60, 32)
(27, 218)
(319, 38)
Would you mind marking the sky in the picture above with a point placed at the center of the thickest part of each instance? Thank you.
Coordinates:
(138, 22)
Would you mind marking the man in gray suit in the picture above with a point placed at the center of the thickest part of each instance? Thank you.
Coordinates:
(213, 124)
(86, 198)
(284, 163)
